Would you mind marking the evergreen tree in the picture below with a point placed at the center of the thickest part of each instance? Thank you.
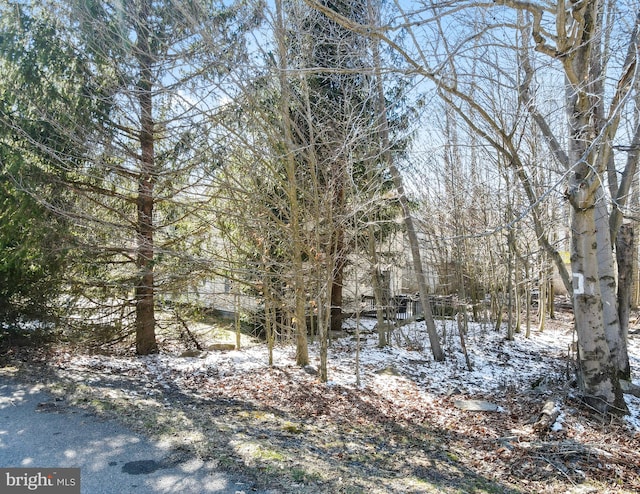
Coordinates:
(336, 123)
(41, 75)
(149, 69)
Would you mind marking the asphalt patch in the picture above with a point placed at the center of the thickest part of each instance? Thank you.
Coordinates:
(141, 467)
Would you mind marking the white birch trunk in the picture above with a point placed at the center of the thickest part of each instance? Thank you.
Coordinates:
(597, 375)
(609, 288)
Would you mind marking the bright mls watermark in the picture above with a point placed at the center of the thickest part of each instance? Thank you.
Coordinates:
(47, 480)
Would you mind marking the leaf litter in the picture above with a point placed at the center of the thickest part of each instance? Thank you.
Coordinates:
(394, 428)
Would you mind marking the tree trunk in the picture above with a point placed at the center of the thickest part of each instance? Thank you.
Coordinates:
(324, 321)
(302, 351)
(542, 297)
(236, 316)
(376, 276)
(592, 258)
(336, 302)
(625, 248)
(510, 288)
(338, 253)
(269, 328)
(144, 292)
(609, 290)
(414, 245)
(412, 236)
(527, 301)
(596, 370)
(498, 308)
(551, 295)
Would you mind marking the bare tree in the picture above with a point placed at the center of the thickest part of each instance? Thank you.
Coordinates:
(575, 38)
(395, 174)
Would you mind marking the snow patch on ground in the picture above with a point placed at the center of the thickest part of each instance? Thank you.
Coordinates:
(538, 364)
